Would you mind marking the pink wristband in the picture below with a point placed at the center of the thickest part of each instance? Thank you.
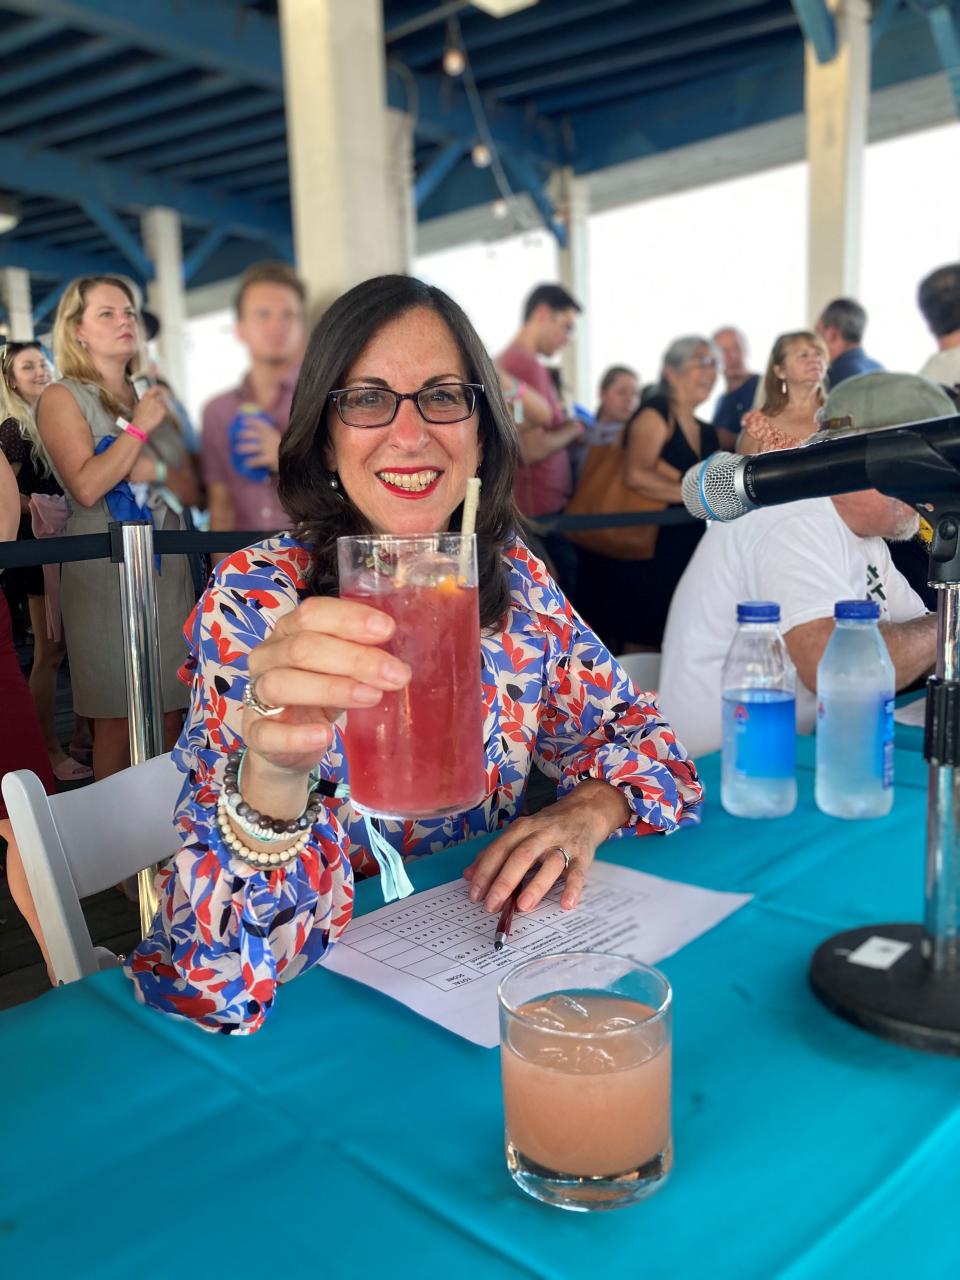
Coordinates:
(131, 430)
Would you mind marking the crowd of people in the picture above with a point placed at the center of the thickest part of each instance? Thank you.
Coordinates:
(99, 442)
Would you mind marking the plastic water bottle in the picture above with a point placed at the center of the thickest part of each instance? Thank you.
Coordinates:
(855, 690)
(759, 717)
(240, 460)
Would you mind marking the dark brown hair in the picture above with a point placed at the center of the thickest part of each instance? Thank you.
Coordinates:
(269, 272)
(322, 514)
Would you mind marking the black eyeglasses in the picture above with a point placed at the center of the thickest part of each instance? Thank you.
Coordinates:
(441, 404)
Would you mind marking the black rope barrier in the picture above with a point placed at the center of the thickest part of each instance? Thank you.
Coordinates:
(174, 542)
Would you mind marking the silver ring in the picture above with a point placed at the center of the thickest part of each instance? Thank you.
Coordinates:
(565, 856)
(253, 703)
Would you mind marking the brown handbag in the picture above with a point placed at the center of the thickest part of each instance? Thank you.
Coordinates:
(601, 491)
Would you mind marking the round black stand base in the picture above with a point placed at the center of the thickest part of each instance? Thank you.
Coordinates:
(905, 1003)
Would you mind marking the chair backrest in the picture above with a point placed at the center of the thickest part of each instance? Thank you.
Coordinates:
(643, 669)
(85, 840)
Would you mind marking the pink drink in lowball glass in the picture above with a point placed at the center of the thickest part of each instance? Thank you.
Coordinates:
(419, 752)
(586, 1061)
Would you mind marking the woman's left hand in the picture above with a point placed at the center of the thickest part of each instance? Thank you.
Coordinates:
(577, 824)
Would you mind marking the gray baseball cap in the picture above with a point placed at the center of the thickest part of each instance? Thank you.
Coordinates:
(883, 400)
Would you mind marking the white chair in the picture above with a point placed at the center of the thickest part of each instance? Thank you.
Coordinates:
(83, 841)
(643, 669)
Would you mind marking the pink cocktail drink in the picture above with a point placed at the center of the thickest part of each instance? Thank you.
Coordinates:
(586, 1089)
(419, 752)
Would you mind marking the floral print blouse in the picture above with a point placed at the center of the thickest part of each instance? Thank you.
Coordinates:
(225, 934)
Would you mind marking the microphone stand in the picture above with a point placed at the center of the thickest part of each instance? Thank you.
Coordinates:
(902, 981)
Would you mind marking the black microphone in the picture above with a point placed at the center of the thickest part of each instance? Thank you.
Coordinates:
(916, 462)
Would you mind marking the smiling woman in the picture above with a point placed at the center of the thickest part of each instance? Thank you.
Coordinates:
(397, 407)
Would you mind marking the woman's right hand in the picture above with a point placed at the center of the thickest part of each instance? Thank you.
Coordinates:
(321, 659)
(151, 410)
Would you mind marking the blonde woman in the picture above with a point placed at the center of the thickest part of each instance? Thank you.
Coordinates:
(24, 375)
(98, 437)
(793, 391)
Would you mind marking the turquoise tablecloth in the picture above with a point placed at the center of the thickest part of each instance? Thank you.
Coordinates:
(134, 1145)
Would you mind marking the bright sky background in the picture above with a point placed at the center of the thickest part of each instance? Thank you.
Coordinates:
(734, 252)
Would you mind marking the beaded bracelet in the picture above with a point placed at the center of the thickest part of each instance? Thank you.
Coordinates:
(257, 825)
(253, 856)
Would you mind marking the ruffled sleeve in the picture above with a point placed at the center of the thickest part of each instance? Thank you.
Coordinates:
(594, 724)
(225, 934)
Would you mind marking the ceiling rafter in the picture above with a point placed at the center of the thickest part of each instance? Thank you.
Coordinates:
(214, 33)
(65, 177)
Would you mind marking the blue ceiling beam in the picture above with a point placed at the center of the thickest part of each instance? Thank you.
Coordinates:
(634, 24)
(56, 264)
(138, 75)
(693, 44)
(525, 178)
(214, 143)
(480, 31)
(677, 71)
(126, 110)
(65, 61)
(264, 173)
(943, 27)
(882, 16)
(232, 160)
(442, 164)
(201, 251)
(214, 33)
(163, 138)
(46, 304)
(818, 27)
(118, 233)
(25, 34)
(64, 177)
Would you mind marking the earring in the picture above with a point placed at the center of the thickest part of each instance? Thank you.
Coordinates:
(783, 385)
(334, 482)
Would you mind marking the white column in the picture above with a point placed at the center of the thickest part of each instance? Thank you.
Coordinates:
(160, 229)
(837, 100)
(572, 200)
(344, 213)
(15, 284)
(400, 179)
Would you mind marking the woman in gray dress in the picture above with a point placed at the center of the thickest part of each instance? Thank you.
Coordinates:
(97, 349)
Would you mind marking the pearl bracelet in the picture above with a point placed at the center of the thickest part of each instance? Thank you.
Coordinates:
(264, 860)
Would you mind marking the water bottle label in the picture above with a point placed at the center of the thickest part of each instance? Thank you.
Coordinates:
(886, 734)
(764, 735)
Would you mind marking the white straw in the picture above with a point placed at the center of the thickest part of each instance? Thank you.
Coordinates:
(468, 523)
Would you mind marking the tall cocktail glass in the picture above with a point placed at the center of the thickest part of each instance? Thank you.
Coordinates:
(585, 1049)
(419, 752)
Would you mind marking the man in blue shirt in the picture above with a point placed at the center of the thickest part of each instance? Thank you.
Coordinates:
(741, 384)
(841, 326)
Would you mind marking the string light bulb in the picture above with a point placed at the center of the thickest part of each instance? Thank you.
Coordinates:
(454, 59)
(500, 208)
(480, 155)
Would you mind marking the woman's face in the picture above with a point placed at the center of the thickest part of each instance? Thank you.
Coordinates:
(620, 400)
(410, 476)
(108, 326)
(694, 380)
(29, 374)
(803, 364)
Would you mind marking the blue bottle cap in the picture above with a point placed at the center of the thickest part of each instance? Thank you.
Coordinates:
(758, 611)
(859, 610)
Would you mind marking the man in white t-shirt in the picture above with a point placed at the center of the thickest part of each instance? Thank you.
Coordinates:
(805, 555)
